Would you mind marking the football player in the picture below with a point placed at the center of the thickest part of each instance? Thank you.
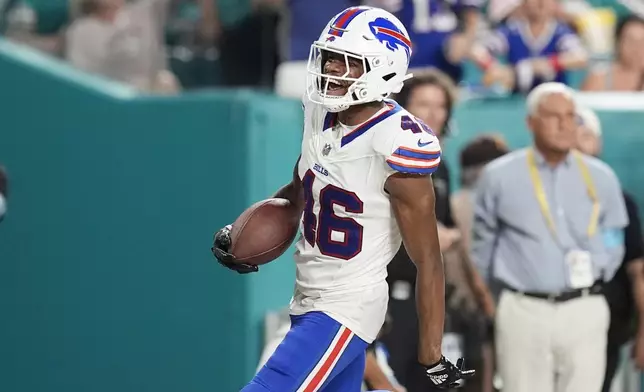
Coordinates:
(363, 183)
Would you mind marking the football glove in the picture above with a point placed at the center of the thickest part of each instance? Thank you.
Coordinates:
(444, 375)
(220, 249)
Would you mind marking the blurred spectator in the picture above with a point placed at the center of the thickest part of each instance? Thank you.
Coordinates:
(378, 375)
(634, 6)
(499, 10)
(19, 23)
(7, 7)
(430, 97)
(547, 227)
(192, 34)
(625, 292)
(594, 25)
(442, 32)
(537, 47)
(124, 42)
(569, 10)
(248, 39)
(626, 71)
(3, 192)
(589, 132)
(473, 158)
(304, 21)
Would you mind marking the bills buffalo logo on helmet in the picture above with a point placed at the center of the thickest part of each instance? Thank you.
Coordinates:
(386, 32)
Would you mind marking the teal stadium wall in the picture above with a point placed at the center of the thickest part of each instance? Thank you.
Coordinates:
(106, 278)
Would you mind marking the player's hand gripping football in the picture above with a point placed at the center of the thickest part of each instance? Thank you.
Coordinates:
(220, 249)
(444, 375)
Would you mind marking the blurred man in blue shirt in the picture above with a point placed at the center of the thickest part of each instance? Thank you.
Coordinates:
(548, 229)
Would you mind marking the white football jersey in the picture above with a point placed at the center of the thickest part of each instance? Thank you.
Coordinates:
(348, 231)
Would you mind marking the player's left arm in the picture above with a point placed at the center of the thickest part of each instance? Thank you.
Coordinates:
(412, 154)
(412, 200)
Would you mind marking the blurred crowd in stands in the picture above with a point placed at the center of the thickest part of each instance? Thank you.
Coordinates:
(487, 46)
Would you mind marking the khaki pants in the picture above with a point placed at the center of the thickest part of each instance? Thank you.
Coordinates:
(551, 347)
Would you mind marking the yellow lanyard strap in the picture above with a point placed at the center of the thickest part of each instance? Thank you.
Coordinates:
(543, 199)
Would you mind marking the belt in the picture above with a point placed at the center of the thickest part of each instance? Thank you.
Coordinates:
(595, 289)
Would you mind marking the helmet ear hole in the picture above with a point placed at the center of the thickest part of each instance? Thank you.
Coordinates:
(388, 77)
(359, 93)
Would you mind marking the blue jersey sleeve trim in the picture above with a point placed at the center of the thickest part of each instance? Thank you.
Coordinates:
(429, 156)
(412, 170)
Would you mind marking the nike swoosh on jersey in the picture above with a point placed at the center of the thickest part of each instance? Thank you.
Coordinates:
(421, 144)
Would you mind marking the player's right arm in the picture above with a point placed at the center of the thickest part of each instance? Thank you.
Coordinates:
(412, 154)
(293, 190)
(222, 242)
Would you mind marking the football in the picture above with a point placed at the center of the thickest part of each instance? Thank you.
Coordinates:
(264, 231)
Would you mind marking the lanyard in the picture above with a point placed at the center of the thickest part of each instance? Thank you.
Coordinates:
(543, 200)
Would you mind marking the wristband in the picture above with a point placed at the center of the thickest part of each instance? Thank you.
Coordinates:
(486, 63)
(554, 62)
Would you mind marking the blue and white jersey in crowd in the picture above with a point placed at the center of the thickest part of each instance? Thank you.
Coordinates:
(514, 42)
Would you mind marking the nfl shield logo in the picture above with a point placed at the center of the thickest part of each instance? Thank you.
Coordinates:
(326, 150)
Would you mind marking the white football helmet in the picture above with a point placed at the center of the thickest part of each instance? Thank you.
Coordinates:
(370, 35)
